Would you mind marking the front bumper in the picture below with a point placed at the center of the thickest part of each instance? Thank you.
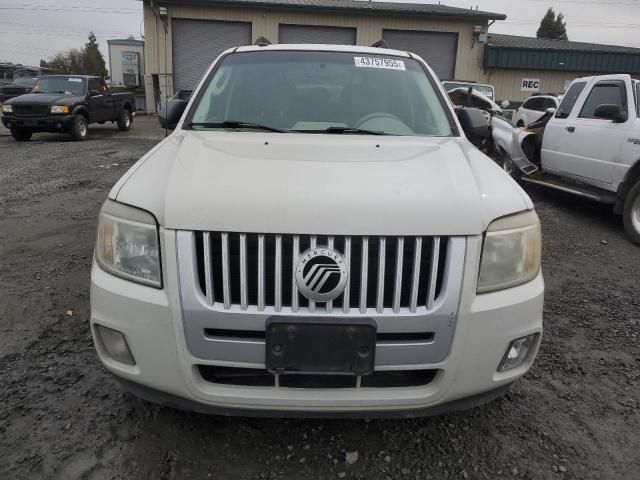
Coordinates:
(152, 323)
(44, 123)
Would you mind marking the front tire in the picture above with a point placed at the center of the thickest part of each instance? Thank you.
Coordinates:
(21, 135)
(631, 214)
(80, 128)
(124, 122)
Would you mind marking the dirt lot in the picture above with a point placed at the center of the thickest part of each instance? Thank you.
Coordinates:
(574, 416)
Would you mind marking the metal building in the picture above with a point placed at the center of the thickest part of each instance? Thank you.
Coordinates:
(184, 37)
(520, 66)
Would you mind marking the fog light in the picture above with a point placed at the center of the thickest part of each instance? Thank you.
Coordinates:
(115, 345)
(517, 352)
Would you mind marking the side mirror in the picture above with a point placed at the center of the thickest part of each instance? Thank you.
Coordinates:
(505, 103)
(173, 112)
(93, 93)
(474, 123)
(610, 112)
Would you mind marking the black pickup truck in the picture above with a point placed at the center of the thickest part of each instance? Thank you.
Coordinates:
(66, 103)
(20, 86)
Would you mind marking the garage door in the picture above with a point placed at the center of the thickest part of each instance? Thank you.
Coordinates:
(196, 43)
(438, 49)
(315, 34)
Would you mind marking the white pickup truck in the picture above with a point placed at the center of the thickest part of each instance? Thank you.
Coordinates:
(590, 146)
(318, 237)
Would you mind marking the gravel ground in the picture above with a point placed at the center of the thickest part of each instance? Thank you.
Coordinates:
(574, 416)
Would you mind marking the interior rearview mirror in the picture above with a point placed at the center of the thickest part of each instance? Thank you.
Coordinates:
(474, 123)
(173, 112)
(610, 112)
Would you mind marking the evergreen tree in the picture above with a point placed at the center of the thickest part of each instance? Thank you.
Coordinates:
(552, 27)
(93, 60)
(560, 28)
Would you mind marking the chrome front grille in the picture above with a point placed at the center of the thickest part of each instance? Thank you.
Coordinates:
(257, 271)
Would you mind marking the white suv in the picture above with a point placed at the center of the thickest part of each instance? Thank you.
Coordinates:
(317, 237)
(533, 108)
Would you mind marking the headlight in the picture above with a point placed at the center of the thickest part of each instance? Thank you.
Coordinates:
(7, 109)
(59, 109)
(127, 244)
(511, 252)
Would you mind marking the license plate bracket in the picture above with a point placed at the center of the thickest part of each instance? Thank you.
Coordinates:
(321, 346)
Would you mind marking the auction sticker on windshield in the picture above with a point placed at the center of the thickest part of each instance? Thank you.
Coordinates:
(78, 80)
(374, 62)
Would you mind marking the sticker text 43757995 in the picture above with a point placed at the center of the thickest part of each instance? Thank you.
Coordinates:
(375, 62)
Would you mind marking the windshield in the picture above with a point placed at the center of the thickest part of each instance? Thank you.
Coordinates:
(65, 85)
(24, 81)
(323, 92)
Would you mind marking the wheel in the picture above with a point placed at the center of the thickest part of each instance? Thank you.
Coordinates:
(21, 135)
(520, 124)
(631, 214)
(124, 122)
(508, 166)
(79, 129)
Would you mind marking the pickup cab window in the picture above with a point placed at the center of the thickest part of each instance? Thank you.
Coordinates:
(322, 92)
(60, 84)
(570, 98)
(611, 93)
(94, 86)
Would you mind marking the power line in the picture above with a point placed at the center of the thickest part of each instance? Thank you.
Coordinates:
(598, 4)
(104, 11)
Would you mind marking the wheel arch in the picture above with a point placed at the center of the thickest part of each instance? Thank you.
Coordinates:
(630, 179)
(81, 110)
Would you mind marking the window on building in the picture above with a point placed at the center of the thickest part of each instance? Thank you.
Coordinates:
(610, 93)
(569, 99)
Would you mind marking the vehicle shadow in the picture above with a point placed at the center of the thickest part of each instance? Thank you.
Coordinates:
(561, 206)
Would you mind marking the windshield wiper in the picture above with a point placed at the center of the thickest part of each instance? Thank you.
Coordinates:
(339, 130)
(235, 124)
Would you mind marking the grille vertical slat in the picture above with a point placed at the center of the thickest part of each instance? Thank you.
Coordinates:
(208, 275)
(364, 274)
(330, 244)
(278, 274)
(244, 302)
(397, 287)
(382, 246)
(415, 275)
(294, 261)
(313, 242)
(347, 259)
(433, 274)
(386, 274)
(226, 288)
(261, 302)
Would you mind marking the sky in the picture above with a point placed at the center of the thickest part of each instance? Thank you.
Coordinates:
(31, 30)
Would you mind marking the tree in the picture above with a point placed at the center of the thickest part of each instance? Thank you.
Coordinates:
(80, 61)
(552, 26)
(93, 60)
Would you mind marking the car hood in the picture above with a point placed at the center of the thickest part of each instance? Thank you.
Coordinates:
(321, 184)
(46, 99)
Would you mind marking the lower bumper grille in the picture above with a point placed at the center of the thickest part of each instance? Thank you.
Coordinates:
(251, 377)
(257, 270)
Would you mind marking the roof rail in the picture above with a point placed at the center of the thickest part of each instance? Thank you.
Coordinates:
(262, 42)
(382, 43)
